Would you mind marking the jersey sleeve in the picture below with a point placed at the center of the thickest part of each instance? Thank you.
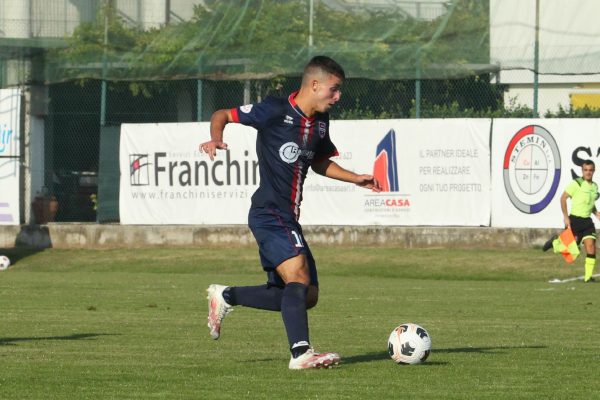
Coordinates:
(255, 115)
(572, 188)
(326, 149)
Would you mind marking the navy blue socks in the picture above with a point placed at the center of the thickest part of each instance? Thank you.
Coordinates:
(263, 297)
(290, 300)
(295, 317)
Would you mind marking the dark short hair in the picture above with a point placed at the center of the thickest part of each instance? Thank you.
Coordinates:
(588, 162)
(326, 64)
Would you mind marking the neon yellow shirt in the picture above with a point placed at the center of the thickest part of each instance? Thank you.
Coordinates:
(583, 196)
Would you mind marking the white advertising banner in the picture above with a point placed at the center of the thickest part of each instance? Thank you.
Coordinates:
(532, 163)
(165, 179)
(435, 172)
(10, 115)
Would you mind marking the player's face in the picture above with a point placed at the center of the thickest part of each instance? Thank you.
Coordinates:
(587, 172)
(327, 92)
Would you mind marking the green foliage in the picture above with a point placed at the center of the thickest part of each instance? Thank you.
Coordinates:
(265, 38)
(584, 112)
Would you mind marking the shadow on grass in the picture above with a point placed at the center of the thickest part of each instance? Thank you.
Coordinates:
(16, 254)
(369, 357)
(490, 350)
(77, 336)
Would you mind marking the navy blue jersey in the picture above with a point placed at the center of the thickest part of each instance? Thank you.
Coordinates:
(288, 142)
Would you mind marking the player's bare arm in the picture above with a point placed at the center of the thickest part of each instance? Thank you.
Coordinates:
(219, 119)
(563, 207)
(332, 170)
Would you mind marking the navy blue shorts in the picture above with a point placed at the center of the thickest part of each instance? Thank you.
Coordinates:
(279, 237)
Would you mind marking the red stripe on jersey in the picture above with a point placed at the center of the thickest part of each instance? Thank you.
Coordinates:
(311, 130)
(296, 182)
(292, 101)
(234, 115)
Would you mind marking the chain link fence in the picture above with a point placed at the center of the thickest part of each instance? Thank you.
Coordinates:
(90, 66)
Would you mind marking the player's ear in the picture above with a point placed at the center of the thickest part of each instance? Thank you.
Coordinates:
(314, 85)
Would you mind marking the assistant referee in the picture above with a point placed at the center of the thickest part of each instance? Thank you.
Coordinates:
(583, 193)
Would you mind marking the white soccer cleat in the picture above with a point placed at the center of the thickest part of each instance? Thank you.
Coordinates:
(312, 359)
(217, 309)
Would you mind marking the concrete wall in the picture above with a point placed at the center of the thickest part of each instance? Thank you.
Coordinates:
(107, 236)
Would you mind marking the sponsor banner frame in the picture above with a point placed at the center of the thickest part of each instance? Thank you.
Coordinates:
(10, 153)
(532, 163)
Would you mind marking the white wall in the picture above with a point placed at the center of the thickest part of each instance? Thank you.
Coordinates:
(569, 42)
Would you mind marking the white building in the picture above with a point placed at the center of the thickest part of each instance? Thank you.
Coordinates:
(569, 51)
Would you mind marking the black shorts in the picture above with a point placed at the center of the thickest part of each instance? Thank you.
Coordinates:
(582, 228)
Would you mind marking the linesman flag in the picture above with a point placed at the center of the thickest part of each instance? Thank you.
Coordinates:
(566, 245)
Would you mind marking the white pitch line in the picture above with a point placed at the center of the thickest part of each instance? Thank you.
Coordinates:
(577, 278)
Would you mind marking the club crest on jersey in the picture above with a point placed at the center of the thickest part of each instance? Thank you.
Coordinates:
(322, 129)
(246, 108)
(289, 120)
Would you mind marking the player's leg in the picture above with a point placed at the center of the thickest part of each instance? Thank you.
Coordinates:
(296, 274)
(585, 231)
(264, 297)
(590, 259)
(268, 296)
(550, 243)
(278, 238)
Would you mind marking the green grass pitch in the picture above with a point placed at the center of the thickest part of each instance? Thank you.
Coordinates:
(122, 324)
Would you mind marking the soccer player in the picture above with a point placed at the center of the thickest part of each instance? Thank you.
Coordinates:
(583, 193)
(292, 135)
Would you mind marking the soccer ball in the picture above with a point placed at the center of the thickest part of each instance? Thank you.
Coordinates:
(409, 344)
(4, 263)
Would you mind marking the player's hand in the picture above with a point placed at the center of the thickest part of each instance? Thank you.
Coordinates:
(567, 222)
(368, 182)
(211, 147)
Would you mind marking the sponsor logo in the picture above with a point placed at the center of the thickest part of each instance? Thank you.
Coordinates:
(531, 169)
(288, 120)
(385, 170)
(139, 170)
(5, 136)
(289, 152)
(246, 108)
(162, 169)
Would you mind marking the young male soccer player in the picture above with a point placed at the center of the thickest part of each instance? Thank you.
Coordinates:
(292, 135)
(583, 193)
